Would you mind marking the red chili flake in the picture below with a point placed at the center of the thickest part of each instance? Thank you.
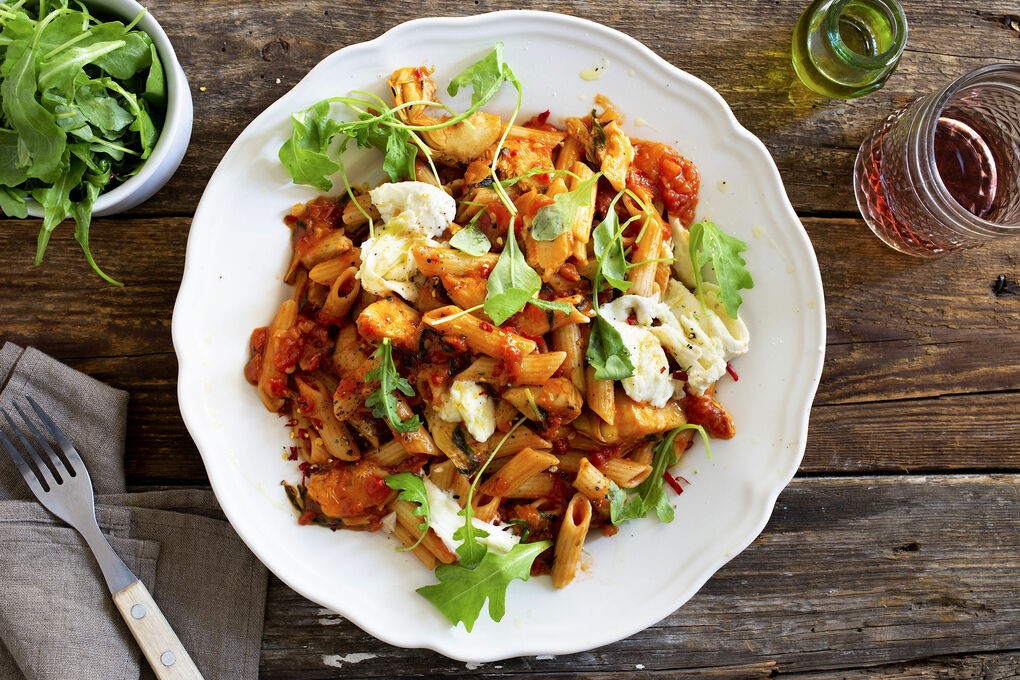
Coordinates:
(632, 319)
(290, 423)
(436, 379)
(513, 153)
(662, 370)
(485, 326)
(307, 470)
(302, 433)
(542, 117)
(293, 453)
(418, 73)
(733, 374)
(680, 375)
(674, 482)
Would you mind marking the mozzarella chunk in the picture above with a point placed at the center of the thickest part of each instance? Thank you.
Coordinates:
(651, 381)
(444, 520)
(386, 261)
(467, 403)
(709, 339)
(414, 213)
(432, 208)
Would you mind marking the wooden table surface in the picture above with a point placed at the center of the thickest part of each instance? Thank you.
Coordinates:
(895, 553)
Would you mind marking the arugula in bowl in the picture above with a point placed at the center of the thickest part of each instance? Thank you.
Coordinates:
(82, 102)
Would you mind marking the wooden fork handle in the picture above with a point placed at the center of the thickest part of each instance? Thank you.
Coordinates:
(159, 643)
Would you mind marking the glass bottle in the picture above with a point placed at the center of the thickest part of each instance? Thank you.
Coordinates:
(848, 48)
(943, 173)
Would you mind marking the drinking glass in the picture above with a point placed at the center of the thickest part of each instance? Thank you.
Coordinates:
(848, 48)
(943, 173)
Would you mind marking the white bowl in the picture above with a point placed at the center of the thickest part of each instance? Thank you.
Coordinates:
(238, 250)
(175, 135)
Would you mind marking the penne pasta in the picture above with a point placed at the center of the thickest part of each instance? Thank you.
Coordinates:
(570, 540)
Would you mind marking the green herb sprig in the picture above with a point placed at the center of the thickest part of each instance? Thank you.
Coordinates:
(412, 490)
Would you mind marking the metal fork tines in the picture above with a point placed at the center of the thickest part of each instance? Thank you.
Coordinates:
(62, 484)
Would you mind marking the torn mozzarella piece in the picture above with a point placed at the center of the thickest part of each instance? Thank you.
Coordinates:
(445, 520)
(413, 213)
(468, 403)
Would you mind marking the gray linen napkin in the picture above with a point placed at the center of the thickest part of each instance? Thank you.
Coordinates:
(57, 619)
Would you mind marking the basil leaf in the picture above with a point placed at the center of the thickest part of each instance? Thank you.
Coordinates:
(471, 240)
(607, 353)
(710, 244)
(555, 219)
(511, 284)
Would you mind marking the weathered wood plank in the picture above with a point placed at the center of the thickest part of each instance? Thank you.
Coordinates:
(246, 55)
(967, 667)
(914, 567)
(919, 355)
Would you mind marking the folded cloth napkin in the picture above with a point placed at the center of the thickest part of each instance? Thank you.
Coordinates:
(57, 619)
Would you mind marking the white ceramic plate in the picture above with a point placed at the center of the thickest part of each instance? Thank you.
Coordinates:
(238, 250)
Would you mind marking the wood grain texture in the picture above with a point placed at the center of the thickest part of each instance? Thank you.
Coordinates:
(258, 51)
(963, 667)
(922, 364)
(914, 567)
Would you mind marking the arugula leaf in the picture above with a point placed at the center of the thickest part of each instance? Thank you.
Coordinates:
(56, 203)
(471, 550)
(412, 490)
(620, 509)
(511, 284)
(11, 203)
(81, 211)
(41, 142)
(10, 173)
(485, 77)
(555, 219)
(609, 253)
(155, 82)
(552, 306)
(710, 243)
(461, 592)
(382, 401)
(471, 240)
(304, 154)
(607, 353)
(650, 493)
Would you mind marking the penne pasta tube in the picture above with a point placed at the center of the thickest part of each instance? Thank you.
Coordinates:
(567, 339)
(535, 369)
(481, 336)
(599, 395)
(410, 521)
(389, 454)
(436, 261)
(582, 225)
(570, 462)
(441, 474)
(487, 511)
(591, 482)
(273, 382)
(342, 293)
(535, 322)
(420, 551)
(537, 486)
(626, 473)
(646, 250)
(418, 442)
(645, 452)
(570, 540)
(512, 475)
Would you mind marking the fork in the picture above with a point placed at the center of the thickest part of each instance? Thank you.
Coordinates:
(62, 484)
